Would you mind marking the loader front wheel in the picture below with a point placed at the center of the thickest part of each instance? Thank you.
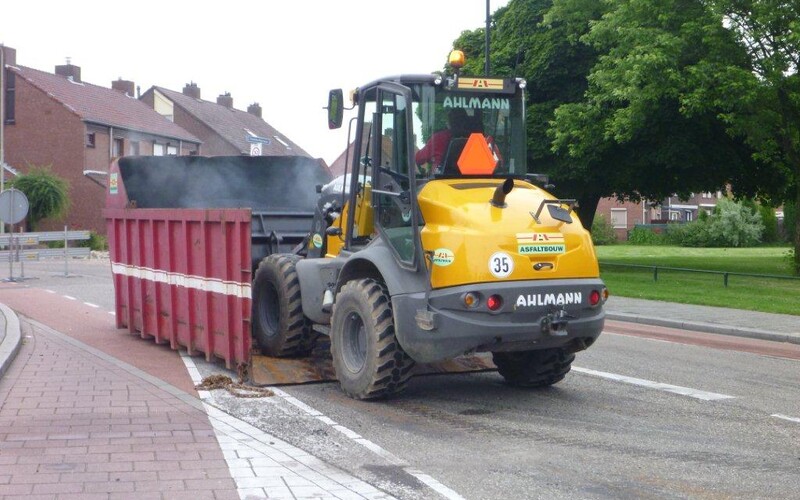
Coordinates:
(367, 358)
(279, 326)
(540, 368)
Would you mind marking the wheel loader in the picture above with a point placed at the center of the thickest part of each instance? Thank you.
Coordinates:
(413, 262)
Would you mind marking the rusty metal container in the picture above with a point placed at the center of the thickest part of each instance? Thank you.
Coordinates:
(183, 246)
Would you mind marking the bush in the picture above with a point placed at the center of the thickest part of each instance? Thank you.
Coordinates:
(770, 224)
(644, 236)
(602, 231)
(97, 242)
(47, 193)
(731, 225)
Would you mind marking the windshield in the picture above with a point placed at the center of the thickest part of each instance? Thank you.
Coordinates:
(468, 132)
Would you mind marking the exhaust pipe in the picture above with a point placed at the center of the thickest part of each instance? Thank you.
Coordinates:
(499, 198)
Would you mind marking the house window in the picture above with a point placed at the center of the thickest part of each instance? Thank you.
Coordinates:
(619, 218)
(134, 148)
(172, 150)
(674, 215)
(118, 147)
(9, 108)
(158, 149)
(90, 140)
(689, 216)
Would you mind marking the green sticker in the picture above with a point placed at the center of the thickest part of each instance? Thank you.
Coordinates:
(443, 257)
(113, 183)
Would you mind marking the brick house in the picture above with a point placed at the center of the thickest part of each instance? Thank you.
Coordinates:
(624, 216)
(59, 120)
(223, 129)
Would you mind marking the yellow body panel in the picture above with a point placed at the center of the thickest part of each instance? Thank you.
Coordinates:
(363, 227)
(464, 231)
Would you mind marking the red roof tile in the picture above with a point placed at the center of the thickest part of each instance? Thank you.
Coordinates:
(233, 124)
(105, 106)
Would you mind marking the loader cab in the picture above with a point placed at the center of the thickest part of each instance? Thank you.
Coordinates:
(400, 121)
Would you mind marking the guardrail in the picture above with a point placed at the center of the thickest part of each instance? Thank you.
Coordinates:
(17, 251)
(725, 274)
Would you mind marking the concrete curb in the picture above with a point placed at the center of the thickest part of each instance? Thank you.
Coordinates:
(11, 342)
(697, 326)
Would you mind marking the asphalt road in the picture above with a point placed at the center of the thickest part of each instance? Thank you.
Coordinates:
(636, 417)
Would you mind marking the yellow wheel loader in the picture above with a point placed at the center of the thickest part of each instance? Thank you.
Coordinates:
(419, 258)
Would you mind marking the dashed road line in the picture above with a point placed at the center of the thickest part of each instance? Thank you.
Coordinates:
(92, 305)
(676, 389)
(263, 465)
(784, 417)
(70, 297)
(366, 443)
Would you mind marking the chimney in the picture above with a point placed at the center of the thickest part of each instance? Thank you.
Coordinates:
(124, 86)
(69, 70)
(254, 109)
(9, 55)
(225, 100)
(192, 90)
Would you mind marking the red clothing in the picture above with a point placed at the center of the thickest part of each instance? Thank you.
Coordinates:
(434, 151)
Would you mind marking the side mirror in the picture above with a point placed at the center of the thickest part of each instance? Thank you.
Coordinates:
(335, 108)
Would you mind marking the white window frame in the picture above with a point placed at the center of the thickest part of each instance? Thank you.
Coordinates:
(615, 222)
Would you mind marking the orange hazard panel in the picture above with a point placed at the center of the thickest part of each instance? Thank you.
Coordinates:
(476, 157)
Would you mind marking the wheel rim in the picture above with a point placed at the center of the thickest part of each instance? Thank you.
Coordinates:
(268, 310)
(354, 348)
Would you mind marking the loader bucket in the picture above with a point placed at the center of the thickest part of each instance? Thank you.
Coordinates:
(284, 183)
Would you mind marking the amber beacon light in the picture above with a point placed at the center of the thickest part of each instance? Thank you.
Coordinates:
(457, 59)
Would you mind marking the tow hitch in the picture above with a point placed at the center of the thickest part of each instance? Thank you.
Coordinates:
(555, 323)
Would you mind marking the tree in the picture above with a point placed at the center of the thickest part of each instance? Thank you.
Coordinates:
(48, 194)
(604, 80)
(760, 101)
(630, 134)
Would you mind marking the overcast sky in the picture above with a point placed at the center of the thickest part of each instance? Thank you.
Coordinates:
(285, 55)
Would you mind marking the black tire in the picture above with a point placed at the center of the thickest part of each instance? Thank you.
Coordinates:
(279, 326)
(540, 368)
(367, 358)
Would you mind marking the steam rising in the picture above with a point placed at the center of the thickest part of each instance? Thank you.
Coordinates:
(259, 182)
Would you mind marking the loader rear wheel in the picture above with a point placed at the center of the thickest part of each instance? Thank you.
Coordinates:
(367, 358)
(279, 326)
(540, 368)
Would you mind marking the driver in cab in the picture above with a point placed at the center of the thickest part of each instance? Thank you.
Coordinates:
(434, 151)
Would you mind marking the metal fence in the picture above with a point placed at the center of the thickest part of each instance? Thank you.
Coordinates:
(725, 274)
(18, 248)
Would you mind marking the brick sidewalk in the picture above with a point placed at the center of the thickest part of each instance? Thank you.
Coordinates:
(74, 425)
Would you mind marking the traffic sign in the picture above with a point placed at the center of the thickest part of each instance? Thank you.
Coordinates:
(254, 139)
(13, 206)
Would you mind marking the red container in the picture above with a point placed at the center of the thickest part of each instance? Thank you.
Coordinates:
(182, 275)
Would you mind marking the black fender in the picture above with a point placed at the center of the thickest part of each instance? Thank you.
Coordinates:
(377, 261)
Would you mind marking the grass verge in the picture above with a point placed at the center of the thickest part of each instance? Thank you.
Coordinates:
(742, 292)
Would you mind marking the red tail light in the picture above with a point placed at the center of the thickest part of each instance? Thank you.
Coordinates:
(594, 298)
(494, 302)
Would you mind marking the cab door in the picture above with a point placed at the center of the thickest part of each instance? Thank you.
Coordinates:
(393, 191)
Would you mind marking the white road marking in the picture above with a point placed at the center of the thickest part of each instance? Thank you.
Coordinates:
(112, 313)
(264, 466)
(70, 297)
(49, 291)
(676, 389)
(92, 305)
(366, 443)
(784, 417)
